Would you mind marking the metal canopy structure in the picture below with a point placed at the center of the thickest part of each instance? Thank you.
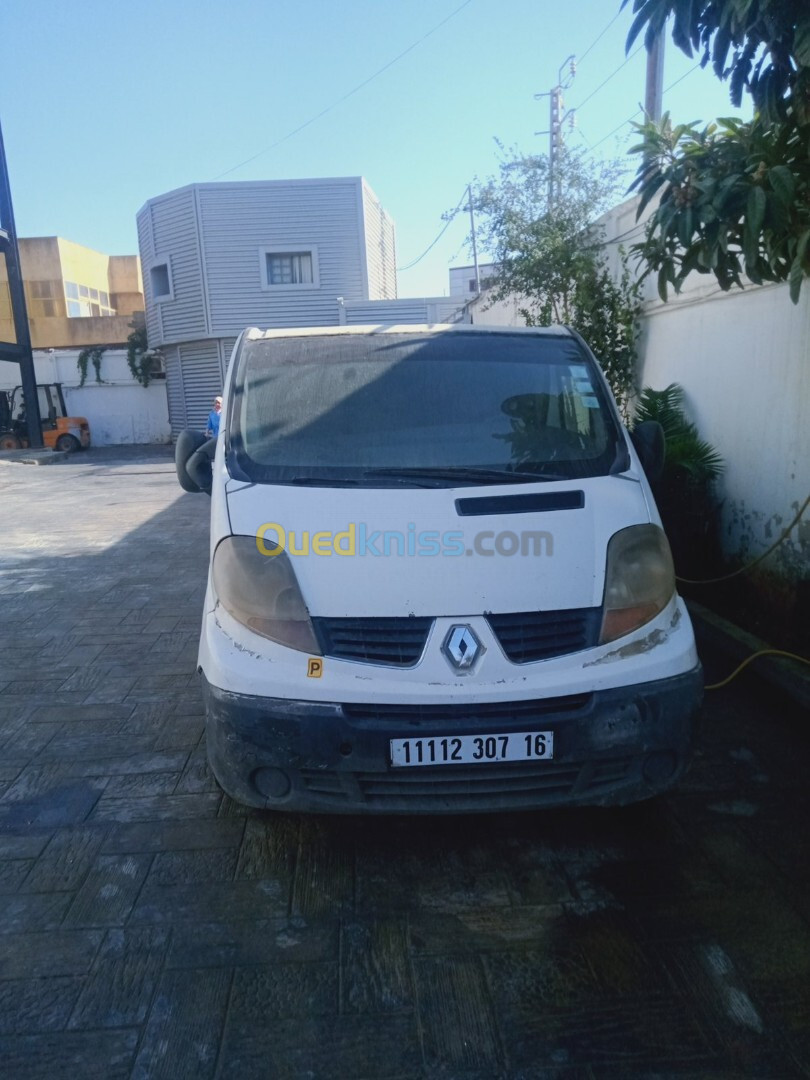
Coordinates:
(20, 351)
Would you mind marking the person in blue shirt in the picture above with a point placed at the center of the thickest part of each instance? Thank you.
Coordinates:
(212, 431)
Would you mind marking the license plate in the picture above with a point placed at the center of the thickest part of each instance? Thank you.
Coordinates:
(472, 749)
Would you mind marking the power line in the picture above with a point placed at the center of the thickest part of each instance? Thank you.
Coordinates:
(624, 123)
(460, 248)
(600, 36)
(687, 73)
(451, 218)
(583, 136)
(346, 96)
(627, 60)
(629, 119)
(628, 234)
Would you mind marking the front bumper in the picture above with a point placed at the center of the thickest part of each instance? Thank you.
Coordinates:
(611, 747)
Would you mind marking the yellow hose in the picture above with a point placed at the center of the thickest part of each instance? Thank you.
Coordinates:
(749, 566)
(753, 656)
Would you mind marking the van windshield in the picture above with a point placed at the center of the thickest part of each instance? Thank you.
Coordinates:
(418, 409)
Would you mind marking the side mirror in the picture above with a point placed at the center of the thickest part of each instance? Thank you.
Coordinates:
(193, 455)
(650, 445)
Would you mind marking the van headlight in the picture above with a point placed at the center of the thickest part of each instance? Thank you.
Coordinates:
(262, 593)
(639, 581)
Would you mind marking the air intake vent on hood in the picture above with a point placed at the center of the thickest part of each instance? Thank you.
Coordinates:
(533, 503)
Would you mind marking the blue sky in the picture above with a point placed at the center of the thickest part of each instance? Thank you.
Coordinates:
(106, 104)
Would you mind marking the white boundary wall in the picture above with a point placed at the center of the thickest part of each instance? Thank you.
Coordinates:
(743, 359)
(119, 410)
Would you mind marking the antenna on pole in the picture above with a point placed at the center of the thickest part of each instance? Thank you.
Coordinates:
(555, 128)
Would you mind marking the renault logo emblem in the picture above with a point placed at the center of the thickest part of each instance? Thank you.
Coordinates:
(462, 648)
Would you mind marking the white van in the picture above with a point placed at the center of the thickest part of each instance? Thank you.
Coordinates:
(438, 578)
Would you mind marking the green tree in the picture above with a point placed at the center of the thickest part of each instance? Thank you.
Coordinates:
(551, 255)
(734, 196)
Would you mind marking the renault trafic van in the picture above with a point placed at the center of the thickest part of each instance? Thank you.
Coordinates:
(438, 579)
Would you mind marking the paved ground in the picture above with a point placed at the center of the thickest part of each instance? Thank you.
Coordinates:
(149, 927)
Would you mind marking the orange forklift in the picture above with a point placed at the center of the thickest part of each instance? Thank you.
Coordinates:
(59, 431)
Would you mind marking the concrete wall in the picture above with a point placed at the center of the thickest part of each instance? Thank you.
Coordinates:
(743, 359)
(119, 410)
(484, 311)
(47, 263)
(461, 276)
(126, 284)
(82, 331)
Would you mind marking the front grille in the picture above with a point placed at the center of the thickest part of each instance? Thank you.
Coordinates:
(524, 636)
(539, 635)
(465, 788)
(398, 641)
(459, 715)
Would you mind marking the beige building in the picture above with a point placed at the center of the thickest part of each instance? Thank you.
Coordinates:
(75, 296)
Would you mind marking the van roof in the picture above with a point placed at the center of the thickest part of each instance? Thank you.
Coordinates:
(254, 334)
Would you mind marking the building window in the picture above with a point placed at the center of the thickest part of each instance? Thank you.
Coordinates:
(290, 268)
(161, 281)
(284, 268)
(42, 290)
(84, 308)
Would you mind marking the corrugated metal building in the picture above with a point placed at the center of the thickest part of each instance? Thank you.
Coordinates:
(414, 309)
(219, 257)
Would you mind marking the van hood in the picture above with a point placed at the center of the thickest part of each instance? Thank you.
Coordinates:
(410, 551)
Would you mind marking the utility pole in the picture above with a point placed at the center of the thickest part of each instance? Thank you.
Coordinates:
(474, 247)
(556, 117)
(18, 352)
(654, 87)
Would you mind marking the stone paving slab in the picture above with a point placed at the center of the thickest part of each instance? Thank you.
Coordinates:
(151, 927)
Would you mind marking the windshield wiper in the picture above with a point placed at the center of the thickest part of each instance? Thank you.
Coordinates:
(351, 481)
(466, 474)
(429, 476)
(323, 481)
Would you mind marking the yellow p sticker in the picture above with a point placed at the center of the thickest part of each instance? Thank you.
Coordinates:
(314, 668)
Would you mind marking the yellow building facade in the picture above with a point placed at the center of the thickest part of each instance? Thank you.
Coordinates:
(75, 296)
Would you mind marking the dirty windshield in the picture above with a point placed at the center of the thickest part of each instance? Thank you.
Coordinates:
(419, 410)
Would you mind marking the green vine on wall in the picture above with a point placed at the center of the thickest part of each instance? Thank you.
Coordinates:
(142, 360)
(89, 356)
